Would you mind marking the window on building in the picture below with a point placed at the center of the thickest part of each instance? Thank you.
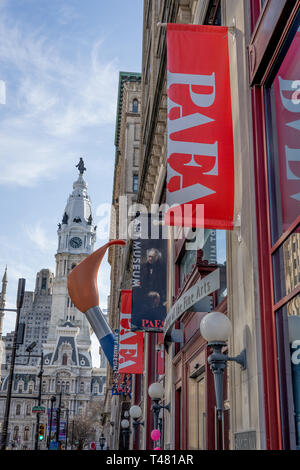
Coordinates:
(213, 14)
(26, 433)
(18, 409)
(135, 183)
(44, 282)
(275, 100)
(135, 106)
(197, 413)
(211, 254)
(65, 360)
(16, 433)
(282, 106)
(28, 410)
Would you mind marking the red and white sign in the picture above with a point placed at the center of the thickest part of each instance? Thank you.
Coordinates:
(131, 342)
(200, 135)
(287, 103)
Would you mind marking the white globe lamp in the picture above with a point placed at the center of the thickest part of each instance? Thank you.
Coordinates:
(215, 327)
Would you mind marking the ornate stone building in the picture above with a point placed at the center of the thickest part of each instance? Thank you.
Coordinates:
(259, 257)
(61, 332)
(125, 187)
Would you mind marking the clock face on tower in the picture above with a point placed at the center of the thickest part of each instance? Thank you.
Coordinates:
(75, 242)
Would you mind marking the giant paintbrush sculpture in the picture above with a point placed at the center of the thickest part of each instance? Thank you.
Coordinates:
(83, 291)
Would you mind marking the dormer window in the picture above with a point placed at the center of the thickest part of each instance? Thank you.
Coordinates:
(65, 360)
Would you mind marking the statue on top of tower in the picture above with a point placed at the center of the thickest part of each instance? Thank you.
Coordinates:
(81, 166)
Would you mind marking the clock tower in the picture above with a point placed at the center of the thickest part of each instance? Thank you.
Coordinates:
(76, 238)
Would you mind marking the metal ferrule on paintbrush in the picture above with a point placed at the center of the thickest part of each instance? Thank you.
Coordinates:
(83, 291)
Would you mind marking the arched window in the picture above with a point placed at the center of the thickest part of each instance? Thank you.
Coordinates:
(135, 106)
(18, 410)
(16, 433)
(65, 360)
(26, 433)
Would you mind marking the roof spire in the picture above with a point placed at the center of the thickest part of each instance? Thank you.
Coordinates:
(4, 279)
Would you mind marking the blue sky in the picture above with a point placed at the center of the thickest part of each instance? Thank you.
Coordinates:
(60, 62)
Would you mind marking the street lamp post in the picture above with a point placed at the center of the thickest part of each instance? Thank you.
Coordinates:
(53, 399)
(135, 413)
(39, 403)
(67, 427)
(125, 430)
(216, 328)
(58, 411)
(19, 303)
(156, 393)
(102, 441)
(72, 438)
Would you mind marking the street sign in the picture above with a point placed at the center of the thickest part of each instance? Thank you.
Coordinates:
(53, 445)
(38, 409)
(197, 292)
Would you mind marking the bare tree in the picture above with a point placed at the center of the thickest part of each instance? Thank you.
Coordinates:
(83, 428)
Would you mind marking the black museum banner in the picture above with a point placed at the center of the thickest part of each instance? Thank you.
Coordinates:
(149, 273)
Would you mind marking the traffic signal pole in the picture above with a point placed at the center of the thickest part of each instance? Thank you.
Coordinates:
(20, 298)
(58, 411)
(36, 445)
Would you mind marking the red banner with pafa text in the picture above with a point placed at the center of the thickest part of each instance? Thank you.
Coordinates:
(200, 137)
(131, 342)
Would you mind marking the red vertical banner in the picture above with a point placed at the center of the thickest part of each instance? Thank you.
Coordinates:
(131, 342)
(287, 105)
(200, 169)
(160, 359)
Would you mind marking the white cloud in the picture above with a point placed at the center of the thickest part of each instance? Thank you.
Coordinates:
(40, 238)
(27, 160)
(51, 101)
(75, 94)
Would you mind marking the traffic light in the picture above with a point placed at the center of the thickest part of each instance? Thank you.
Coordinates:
(41, 432)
